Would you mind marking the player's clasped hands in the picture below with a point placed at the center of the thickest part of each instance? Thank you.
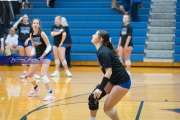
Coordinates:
(97, 93)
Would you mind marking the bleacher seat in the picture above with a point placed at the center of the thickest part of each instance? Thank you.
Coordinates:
(177, 34)
(90, 18)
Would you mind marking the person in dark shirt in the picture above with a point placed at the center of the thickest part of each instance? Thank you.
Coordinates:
(1, 41)
(50, 3)
(24, 41)
(42, 48)
(134, 10)
(68, 42)
(59, 46)
(125, 44)
(116, 81)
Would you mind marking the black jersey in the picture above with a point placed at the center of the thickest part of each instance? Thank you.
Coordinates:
(107, 59)
(126, 31)
(24, 31)
(39, 44)
(57, 39)
(1, 33)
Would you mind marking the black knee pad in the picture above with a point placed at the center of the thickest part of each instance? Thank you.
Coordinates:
(94, 103)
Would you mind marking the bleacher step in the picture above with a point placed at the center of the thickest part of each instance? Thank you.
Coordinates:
(161, 30)
(163, 3)
(162, 23)
(157, 60)
(163, 9)
(159, 37)
(160, 45)
(164, 16)
(159, 54)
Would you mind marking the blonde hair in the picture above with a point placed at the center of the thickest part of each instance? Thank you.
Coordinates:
(59, 17)
(64, 22)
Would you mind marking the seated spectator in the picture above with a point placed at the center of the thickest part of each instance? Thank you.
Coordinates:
(11, 43)
(113, 4)
(26, 4)
(123, 6)
(134, 10)
(140, 4)
(1, 41)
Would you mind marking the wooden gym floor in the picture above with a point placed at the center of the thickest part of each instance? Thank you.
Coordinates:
(154, 95)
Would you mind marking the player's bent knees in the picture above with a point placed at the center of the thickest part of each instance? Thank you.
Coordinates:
(30, 75)
(110, 112)
(93, 103)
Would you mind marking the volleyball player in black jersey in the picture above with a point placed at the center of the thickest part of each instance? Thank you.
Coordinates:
(115, 82)
(59, 46)
(24, 42)
(125, 44)
(42, 48)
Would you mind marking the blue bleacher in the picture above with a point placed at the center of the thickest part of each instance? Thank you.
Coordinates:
(115, 40)
(85, 18)
(84, 48)
(90, 32)
(79, 11)
(178, 18)
(81, 1)
(93, 57)
(177, 34)
(96, 25)
(177, 11)
(90, 18)
(82, 5)
(177, 41)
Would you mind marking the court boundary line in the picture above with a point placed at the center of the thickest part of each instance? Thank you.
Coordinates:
(43, 106)
(139, 110)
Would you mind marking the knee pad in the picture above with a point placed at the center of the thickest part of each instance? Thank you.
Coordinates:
(45, 79)
(57, 61)
(94, 103)
(110, 112)
(128, 62)
(64, 62)
(32, 79)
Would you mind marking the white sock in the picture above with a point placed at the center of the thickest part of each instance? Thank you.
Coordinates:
(67, 70)
(92, 118)
(25, 72)
(56, 70)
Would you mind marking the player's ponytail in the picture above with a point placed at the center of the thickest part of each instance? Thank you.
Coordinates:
(107, 40)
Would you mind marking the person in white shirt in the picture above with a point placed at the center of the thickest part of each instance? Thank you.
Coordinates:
(11, 43)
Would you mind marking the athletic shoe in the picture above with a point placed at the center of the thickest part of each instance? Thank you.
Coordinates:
(49, 96)
(68, 73)
(24, 75)
(55, 74)
(37, 76)
(33, 92)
